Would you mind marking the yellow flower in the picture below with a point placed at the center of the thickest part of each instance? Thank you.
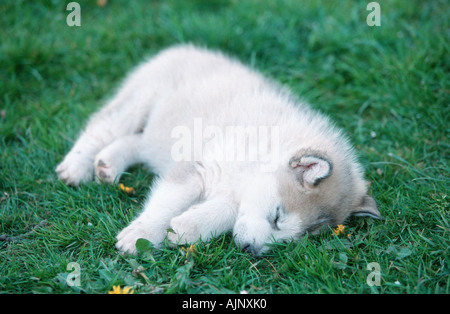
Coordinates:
(101, 3)
(339, 229)
(125, 188)
(190, 250)
(118, 290)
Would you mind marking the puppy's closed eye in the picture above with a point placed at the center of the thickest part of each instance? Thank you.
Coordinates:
(274, 220)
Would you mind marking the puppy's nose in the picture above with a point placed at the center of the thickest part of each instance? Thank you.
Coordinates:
(249, 248)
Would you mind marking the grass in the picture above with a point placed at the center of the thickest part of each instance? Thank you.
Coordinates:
(387, 86)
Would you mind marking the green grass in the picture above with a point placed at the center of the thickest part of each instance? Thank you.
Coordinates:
(387, 86)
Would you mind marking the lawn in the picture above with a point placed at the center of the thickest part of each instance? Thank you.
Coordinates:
(387, 86)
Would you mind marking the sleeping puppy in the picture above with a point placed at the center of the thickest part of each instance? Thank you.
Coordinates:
(232, 151)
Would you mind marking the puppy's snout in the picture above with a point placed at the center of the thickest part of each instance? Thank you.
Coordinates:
(251, 233)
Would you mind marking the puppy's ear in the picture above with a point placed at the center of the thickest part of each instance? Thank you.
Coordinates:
(311, 169)
(368, 207)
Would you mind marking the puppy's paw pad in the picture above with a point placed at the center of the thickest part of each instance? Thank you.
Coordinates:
(105, 171)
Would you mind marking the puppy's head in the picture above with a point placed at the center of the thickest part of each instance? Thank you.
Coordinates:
(311, 191)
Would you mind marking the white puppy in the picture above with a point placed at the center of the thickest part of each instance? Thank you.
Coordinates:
(233, 151)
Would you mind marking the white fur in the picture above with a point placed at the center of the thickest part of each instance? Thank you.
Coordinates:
(313, 168)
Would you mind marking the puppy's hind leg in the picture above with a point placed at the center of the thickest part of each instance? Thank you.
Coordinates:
(115, 158)
(120, 118)
(125, 114)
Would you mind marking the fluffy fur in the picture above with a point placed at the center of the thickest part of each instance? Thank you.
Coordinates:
(233, 151)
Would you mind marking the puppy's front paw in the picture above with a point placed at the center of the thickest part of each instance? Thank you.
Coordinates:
(75, 169)
(186, 231)
(126, 239)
